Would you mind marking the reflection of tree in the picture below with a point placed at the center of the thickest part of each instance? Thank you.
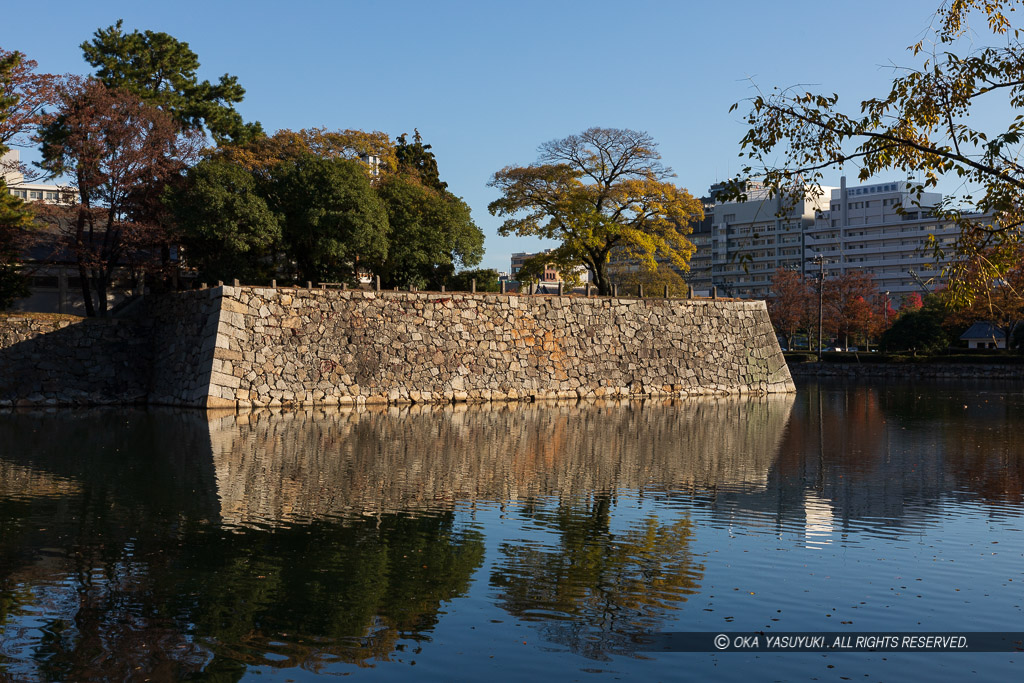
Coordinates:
(118, 549)
(598, 589)
(348, 592)
(305, 594)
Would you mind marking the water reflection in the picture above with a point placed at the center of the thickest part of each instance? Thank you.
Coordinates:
(595, 589)
(302, 465)
(165, 544)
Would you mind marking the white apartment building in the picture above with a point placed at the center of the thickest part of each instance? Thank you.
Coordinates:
(750, 240)
(863, 229)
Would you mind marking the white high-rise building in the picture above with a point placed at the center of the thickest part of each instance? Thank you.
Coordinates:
(884, 229)
(752, 239)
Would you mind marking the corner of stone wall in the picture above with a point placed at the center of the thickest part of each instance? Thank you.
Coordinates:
(223, 327)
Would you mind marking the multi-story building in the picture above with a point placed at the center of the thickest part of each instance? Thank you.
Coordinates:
(10, 165)
(699, 274)
(884, 229)
(881, 228)
(747, 241)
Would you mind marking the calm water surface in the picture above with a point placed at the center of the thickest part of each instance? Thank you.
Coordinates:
(511, 542)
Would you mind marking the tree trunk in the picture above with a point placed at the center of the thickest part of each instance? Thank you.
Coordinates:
(604, 286)
(83, 273)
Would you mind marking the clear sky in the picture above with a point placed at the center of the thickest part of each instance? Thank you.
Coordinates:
(486, 82)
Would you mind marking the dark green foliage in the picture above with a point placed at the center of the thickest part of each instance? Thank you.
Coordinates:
(918, 331)
(486, 280)
(162, 71)
(415, 158)
(431, 234)
(333, 220)
(227, 229)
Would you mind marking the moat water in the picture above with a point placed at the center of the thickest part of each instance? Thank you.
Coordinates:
(538, 541)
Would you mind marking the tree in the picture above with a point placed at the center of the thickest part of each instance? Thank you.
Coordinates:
(373, 150)
(999, 300)
(654, 282)
(116, 147)
(333, 221)
(789, 305)
(486, 280)
(431, 233)
(846, 304)
(883, 315)
(15, 216)
(921, 127)
(27, 94)
(161, 70)
(919, 329)
(227, 229)
(417, 159)
(601, 190)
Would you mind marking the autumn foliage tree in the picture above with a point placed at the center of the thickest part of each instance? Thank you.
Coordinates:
(116, 148)
(27, 94)
(602, 190)
(1000, 293)
(790, 303)
(15, 216)
(848, 304)
(263, 153)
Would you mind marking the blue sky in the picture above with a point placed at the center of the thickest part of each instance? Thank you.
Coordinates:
(487, 82)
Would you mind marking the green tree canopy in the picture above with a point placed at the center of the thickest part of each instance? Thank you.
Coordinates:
(227, 229)
(919, 330)
(416, 158)
(333, 219)
(162, 71)
(601, 190)
(486, 280)
(431, 233)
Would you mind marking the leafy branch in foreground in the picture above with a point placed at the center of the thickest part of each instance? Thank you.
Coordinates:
(923, 128)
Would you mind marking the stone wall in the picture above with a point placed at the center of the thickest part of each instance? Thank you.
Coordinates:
(240, 346)
(183, 333)
(63, 360)
(308, 346)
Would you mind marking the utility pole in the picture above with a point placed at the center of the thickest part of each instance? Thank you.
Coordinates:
(819, 260)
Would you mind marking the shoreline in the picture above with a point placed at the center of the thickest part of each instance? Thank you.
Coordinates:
(917, 370)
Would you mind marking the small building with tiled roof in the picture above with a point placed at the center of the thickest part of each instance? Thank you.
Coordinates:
(984, 336)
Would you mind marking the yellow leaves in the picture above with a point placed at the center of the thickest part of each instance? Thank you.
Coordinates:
(285, 144)
(601, 190)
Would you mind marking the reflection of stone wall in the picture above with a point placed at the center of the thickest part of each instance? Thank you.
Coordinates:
(293, 346)
(275, 466)
(17, 482)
